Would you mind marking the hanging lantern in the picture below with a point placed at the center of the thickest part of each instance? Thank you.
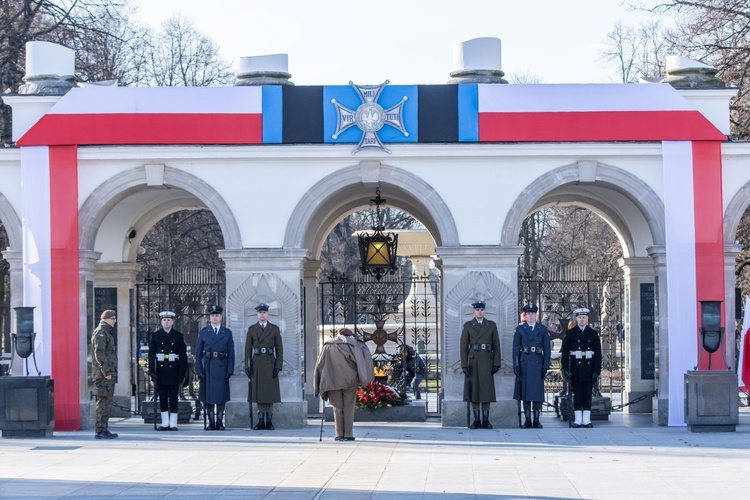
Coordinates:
(377, 251)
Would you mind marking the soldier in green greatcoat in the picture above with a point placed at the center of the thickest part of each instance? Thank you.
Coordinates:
(104, 371)
(480, 360)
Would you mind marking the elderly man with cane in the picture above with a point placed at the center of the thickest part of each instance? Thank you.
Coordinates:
(344, 365)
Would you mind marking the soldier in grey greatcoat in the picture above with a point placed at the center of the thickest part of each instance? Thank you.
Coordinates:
(531, 359)
(480, 360)
(264, 359)
(582, 363)
(104, 371)
(214, 363)
(167, 366)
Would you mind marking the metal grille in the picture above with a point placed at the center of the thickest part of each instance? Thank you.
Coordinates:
(557, 300)
(189, 295)
(389, 313)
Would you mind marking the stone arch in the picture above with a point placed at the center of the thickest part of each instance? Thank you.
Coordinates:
(618, 196)
(342, 192)
(96, 207)
(12, 224)
(735, 209)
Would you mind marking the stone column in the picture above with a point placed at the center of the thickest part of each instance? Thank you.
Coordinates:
(489, 273)
(731, 251)
(660, 406)
(273, 276)
(15, 264)
(120, 275)
(636, 271)
(312, 336)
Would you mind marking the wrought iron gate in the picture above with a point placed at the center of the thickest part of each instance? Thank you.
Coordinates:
(189, 295)
(388, 314)
(557, 299)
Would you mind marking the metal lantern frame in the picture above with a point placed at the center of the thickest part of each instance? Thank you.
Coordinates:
(377, 251)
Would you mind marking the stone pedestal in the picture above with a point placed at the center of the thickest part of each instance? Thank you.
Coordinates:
(148, 410)
(413, 412)
(711, 401)
(27, 407)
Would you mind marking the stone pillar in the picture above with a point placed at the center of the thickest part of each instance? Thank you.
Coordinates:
(273, 276)
(731, 251)
(120, 275)
(489, 273)
(636, 271)
(312, 337)
(15, 264)
(660, 406)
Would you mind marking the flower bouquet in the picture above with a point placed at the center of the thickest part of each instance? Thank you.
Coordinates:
(376, 395)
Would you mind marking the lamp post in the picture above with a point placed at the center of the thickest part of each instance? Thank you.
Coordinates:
(377, 251)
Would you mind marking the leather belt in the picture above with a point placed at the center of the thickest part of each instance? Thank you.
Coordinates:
(480, 347)
(214, 354)
(264, 350)
(532, 349)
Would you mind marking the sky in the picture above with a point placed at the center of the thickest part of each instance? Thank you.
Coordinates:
(330, 42)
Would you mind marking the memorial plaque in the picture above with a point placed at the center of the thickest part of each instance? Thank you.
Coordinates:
(104, 298)
(648, 318)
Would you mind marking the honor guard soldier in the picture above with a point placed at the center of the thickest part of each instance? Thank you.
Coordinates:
(531, 359)
(104, 371)
(480, 360)
(582, 364)
(167, 366)
(264, 358)
(214, 358)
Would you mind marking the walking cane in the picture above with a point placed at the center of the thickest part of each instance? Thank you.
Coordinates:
(322, 420)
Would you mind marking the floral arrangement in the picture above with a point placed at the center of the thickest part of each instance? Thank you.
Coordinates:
(376, 395)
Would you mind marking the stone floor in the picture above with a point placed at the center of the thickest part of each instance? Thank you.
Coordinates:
(626, 457)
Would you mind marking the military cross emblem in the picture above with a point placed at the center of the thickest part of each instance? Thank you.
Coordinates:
(370, 117)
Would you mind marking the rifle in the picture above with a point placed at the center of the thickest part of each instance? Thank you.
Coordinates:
(468, 402)
(250, 400)
(156, 398)
(519, 392)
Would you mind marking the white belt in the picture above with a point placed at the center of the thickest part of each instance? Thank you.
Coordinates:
(582, 354)
(160, 356)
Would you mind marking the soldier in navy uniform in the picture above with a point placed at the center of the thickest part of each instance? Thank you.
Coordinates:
(214, 358)
(480, 360)
(264, 359)
(167, 365)
(582, 364)
(531, 359)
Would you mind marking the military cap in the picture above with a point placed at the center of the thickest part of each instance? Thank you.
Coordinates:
(261, 307)
(215, 309)
(109, 313)
(167, 314)
(478, 304)
(530, 308)
(346, 332)
(581, 311)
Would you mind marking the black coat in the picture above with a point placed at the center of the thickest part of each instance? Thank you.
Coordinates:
(214, 370)
(167, 357)
(582, 369)
(533, 365)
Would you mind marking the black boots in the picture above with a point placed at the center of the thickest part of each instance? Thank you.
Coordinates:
(220, 422)
(486, 419)
(269, 422)
(527, 414)
(211, 419)
(537, 411)
(477, 423)
(261, 422)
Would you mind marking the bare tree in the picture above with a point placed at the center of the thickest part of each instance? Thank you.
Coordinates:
(638, 51)
(180, 55)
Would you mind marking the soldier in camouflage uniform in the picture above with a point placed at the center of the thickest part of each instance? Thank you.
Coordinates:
(104, 371)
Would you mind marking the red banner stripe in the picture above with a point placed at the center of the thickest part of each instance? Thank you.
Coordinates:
(65, 286)
(145, 128)
(596, 126)
(709, 232)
